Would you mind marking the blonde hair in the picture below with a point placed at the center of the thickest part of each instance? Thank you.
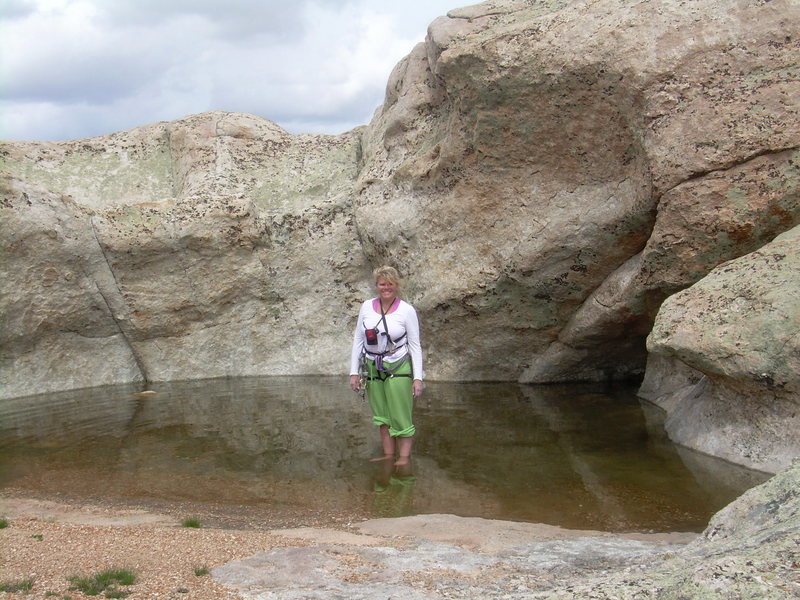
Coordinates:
(389, 273)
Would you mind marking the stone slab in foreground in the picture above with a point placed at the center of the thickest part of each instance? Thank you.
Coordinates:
(750, 550)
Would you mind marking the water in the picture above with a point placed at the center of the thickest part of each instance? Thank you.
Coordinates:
(579, 456)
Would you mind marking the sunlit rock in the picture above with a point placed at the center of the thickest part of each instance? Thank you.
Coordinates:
(211, 246)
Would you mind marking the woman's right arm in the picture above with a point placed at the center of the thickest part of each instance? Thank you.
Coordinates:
(358, 345)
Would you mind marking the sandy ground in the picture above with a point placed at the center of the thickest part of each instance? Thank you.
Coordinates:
(49, 541)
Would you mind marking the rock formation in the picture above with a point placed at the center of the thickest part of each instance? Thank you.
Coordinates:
(729, 345)
(545, 174)
(535, 159)
(218, 245)
(748, 552)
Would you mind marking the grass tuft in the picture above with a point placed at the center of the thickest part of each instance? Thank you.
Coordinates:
(201, 571)
(104, 582)
(24, 586)
(192, 523)
(3, 522)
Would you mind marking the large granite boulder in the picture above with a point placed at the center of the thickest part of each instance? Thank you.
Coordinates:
(725, 360)
(747, 552)
(545, 174)
(217, 245)
(537, 166)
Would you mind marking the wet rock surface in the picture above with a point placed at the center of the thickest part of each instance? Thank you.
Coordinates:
(748, 551)
(436, 556)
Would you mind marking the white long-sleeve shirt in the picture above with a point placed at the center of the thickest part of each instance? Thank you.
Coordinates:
(402, 320)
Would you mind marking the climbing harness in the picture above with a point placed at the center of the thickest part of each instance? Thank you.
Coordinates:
(383, 372)
(372, 339)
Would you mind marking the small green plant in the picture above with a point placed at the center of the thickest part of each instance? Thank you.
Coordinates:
(192, 523)
(104, 582)
(24, 586)
(200, 571)
(3, 522)
(38, 536)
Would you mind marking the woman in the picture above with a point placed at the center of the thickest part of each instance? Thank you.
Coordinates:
(387, 338)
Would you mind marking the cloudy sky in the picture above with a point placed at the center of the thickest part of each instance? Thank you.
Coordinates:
(79, 68)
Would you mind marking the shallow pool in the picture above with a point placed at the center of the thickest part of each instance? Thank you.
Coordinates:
(579, 456)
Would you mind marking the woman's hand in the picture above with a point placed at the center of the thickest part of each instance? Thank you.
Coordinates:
(416, 388)
(355, 383)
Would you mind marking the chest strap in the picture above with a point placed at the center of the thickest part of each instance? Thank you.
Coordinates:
(386, 333)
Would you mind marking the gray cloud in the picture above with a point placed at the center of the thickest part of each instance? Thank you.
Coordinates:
(232, 18)
(81, 74)
(78, 69)
(15, 9)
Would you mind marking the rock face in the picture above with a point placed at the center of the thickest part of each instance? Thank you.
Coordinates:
(545, 175)
(542, 165)
(735, 336)
(216, 245)
(747, 552)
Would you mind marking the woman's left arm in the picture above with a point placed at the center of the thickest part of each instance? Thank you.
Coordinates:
(415, 349)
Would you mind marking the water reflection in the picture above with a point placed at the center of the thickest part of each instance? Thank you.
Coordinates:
(578, 456)
(393, 490)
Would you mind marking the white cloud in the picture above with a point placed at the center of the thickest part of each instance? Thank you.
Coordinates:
(98, 67)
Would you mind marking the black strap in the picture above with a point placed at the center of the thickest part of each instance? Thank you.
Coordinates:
(385, 376)
(385, 325)
(383, 315)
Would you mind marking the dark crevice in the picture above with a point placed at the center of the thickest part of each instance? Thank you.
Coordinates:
(136, 357)
(732, 165)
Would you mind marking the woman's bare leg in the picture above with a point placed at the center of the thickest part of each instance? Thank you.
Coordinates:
(388, 444)
(404, 450)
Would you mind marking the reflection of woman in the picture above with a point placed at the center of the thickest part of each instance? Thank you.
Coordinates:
(394, 489)
(387, 338)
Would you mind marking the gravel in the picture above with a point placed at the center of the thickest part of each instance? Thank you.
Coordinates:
(48, 541)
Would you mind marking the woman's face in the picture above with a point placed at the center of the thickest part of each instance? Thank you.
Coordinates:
(386, 289)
